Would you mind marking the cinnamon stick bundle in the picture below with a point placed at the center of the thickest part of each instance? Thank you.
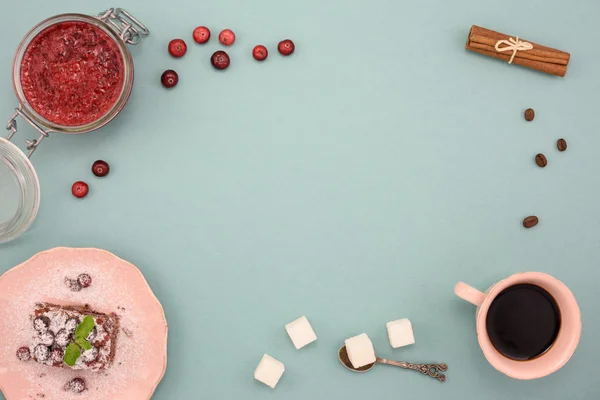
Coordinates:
(538, 57)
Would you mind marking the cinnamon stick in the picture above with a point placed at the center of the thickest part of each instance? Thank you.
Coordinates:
(541, 58)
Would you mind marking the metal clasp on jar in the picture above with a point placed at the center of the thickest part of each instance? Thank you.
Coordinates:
(11, 126)
(126, 25)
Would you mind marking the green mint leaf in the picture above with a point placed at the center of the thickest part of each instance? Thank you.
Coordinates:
(72, 353)
(84, 328)
(83, 343)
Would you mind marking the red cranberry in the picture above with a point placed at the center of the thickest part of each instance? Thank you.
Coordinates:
(64, 337)
(169, 78)
(56, 356)
(177, 48)
(220, 60)
(76, 385)
(41, 353)
(41, 324)
(73, 284)
(90, 355)
(47, 339)
(227, 37)
(80, 189)
(24, 354)
(201, 34)
(100, 168)
(85, 280)
(286, 47)
(260, 52)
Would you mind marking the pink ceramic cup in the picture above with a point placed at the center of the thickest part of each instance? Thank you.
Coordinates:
(561, 350)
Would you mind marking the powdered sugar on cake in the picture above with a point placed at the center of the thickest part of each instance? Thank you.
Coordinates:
(139, 360)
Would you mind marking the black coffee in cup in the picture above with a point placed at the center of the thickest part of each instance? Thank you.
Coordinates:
(523, 322)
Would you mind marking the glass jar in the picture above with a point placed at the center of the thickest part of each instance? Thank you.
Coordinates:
(49, 102)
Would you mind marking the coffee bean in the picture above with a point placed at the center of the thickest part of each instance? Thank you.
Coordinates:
(531, 221)
(541, 160)
(561, 144)
(529, 114)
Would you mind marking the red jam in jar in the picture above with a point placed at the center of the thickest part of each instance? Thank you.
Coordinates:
(72, 73)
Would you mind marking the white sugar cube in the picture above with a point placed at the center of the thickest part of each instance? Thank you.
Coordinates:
(269, 371)
(360, 350)
(400, 333)
(301, 332)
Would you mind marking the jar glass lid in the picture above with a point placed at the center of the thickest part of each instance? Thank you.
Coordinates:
(19, 192)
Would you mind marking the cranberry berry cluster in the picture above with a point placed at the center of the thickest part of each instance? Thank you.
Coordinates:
(80, 189)
(220, 59)
(54, 347)
(76, 385)
(83, 281)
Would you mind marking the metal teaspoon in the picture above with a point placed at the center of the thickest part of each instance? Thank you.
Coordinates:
(432, 370)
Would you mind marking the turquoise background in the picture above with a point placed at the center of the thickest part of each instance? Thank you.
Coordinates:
(355, 183)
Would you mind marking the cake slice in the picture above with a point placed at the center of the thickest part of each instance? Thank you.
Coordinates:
(73, 337)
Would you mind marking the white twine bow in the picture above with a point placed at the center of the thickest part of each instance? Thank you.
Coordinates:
(513, 45)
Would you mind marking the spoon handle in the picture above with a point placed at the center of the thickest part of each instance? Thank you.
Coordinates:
(432, 370)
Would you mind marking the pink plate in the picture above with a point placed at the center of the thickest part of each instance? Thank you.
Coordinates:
(117, 286)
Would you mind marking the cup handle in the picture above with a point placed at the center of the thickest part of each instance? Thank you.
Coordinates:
(469, 294)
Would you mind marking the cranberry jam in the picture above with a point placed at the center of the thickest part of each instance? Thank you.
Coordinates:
(72, 73)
